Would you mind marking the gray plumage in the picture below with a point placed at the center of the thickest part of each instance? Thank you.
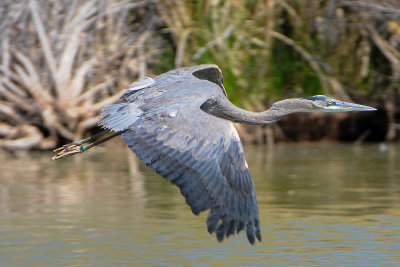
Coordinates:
(180, 125)
(170, 137)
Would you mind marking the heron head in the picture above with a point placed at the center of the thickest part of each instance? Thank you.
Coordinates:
(316, 103)
(328, 104)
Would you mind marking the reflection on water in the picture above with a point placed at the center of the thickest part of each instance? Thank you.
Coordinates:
(320, 204)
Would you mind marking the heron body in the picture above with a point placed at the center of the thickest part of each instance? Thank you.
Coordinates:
(200, 153)
(180, 125)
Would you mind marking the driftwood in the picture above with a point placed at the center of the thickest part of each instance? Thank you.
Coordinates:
(61, 62)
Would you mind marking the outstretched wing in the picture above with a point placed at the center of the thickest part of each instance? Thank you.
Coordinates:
(196, 151)
(210, 170)
(207, 72)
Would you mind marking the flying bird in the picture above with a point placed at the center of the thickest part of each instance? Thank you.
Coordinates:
(180, 125)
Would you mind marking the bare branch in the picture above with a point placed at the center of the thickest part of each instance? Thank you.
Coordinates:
(31, 137)
(77, 85)
(10, 113)
(48, 53)
(220, 39)
(371, 6)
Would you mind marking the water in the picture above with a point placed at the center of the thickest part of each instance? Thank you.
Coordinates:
(320, 204)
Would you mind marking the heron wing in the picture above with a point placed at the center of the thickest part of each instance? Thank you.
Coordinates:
(203, 156)
(207, 72)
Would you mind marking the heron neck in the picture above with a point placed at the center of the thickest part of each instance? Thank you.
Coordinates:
(224, 109)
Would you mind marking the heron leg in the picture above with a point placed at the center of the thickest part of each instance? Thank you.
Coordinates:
(79, 147)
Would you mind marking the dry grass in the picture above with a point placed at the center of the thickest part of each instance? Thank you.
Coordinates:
(61, 62)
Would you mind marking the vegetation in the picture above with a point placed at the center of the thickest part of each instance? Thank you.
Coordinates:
(279, 48)
(61, 62)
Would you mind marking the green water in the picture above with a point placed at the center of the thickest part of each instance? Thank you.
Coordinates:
(320, 205)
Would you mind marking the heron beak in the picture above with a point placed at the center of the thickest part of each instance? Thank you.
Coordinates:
(342, 106)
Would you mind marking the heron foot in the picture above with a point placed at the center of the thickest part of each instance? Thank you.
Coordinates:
(78, 147)
(68, 150)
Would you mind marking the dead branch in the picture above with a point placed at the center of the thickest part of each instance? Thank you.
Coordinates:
(61, 62)
(23, 137)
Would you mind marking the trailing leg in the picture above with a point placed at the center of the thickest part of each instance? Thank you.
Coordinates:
(79, 147)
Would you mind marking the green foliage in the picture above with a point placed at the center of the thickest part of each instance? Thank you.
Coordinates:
(271, 49)
(292, 75)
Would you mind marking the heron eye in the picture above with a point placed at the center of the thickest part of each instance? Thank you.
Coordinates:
(329, 103)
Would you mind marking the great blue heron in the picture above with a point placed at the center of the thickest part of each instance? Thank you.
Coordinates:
(180, 125)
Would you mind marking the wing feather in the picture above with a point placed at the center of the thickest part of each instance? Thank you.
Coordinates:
(209, 173)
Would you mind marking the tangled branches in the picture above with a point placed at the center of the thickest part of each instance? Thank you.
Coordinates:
(62, 61)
